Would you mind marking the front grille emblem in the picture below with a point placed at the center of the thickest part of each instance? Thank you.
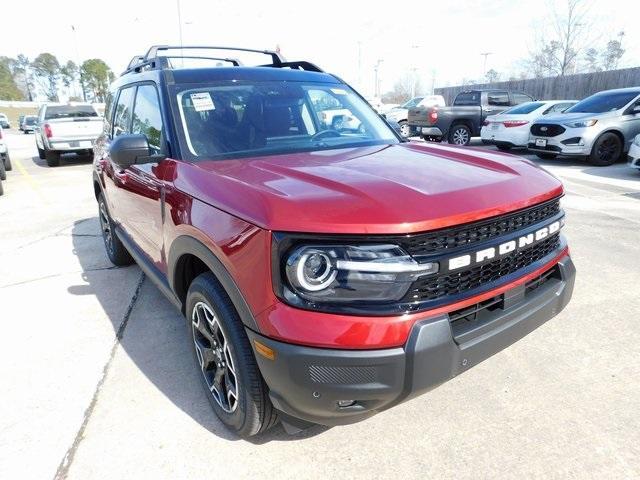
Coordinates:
(543, 129)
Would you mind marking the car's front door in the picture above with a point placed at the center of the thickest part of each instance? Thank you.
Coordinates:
(137, 192)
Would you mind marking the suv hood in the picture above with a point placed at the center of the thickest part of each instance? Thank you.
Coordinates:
(573, 117)
(402, 188)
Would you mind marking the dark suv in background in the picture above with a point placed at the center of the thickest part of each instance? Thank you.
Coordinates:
(327, 271)
(463, 120)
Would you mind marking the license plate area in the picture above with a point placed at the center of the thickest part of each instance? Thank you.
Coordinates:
(541, 142)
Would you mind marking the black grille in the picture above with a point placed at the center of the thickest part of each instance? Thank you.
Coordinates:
(546, 129)
(441, 241)
(432, 288)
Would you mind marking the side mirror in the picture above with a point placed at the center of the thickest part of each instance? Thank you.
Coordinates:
(126, 150)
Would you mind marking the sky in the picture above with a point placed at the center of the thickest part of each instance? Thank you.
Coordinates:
(440, 40)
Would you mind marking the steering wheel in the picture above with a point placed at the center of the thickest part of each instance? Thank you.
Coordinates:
(326, 133)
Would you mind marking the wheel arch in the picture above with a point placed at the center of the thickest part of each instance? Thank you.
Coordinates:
(187, 259)
(616, 132)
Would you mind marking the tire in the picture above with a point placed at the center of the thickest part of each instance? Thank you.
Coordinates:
(503, 147)
(53, 158)
(224, 357)
(3, 172)
(116, 251)
(1, 189)
(405, 130)
(41, 153)
(7, 163)
(606, 150)
(459, 135)
(546, 156)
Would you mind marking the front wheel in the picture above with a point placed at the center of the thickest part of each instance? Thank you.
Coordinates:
(405, 130)
(606, 150)
(41, 153)
(228, 370)
(460, 135)
(7, 163)
(3, 172)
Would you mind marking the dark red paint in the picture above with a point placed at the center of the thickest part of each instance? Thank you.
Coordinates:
(232, 206)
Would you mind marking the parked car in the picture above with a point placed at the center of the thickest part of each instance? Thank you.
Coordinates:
(66, 128)
(458, 123)
(4, 153)
(634, 153)
(600, 127)
(510, 128)
(20, 120)
(4, 121)
(29, 124)
(400, 114)
(324, 275)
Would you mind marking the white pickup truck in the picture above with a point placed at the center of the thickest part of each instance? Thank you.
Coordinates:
(66, 128)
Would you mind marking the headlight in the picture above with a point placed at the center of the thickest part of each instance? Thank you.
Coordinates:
(581, 124)
(341, 274)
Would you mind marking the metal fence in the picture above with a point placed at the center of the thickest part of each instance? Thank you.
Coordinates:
(570, 87)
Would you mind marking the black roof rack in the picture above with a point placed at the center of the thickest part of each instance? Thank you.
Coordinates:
(152, 61)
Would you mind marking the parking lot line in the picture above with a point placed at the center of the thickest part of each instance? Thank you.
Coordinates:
(30, 180)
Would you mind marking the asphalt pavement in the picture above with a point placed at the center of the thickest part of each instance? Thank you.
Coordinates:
(98, 380)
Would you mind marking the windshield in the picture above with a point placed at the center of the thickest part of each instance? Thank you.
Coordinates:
(413, 102)
(603, 102)
(523, 108)
(69, 111)
(237, 119)
(30, 120)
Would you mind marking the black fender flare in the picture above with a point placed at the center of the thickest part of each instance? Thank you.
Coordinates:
(187, 245)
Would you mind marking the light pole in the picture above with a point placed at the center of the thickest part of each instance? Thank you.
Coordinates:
(484, 66)
(414, 74)
(75, 46)
(376, 92)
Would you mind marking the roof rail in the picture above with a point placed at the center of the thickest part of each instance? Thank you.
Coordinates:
(151, 60)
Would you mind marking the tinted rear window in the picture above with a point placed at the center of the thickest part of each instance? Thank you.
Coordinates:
(524, 108)
(30, 120)
(70, 111)
(467, 98)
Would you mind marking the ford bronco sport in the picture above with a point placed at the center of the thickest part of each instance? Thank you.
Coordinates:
(326, 272)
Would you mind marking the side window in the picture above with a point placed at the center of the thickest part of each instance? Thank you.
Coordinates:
(557, 108)
(519, 98)
(122, 118)
(498, 99)
(108, 114)
(147, 118)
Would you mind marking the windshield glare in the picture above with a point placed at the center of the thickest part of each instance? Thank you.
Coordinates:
(267, 118)
(603, 102)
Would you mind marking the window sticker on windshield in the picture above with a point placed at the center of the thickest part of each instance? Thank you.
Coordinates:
(339, 91)
(202, 102)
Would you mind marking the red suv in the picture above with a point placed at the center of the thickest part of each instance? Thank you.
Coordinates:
(327, 269)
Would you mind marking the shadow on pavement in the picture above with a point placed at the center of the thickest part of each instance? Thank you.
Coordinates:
(66, 160)
(156, 340)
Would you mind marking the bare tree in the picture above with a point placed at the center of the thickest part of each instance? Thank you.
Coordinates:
(566, 38)
(492, 76)
(613, 53)
(591, 57)
(403, 88)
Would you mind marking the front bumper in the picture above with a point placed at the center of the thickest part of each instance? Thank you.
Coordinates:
(634, 156)
(307, 383)
(573, 141)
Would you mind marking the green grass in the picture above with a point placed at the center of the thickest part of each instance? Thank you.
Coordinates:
(14, 112)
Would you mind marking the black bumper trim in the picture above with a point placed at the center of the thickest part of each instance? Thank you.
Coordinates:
(307, 383)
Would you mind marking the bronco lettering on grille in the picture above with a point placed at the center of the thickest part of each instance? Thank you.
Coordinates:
(503, 248)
